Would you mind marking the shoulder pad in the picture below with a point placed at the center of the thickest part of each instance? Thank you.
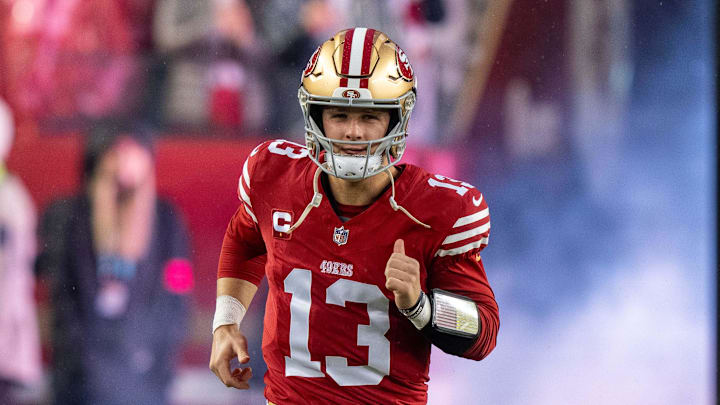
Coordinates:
(466, 216)
(266, 161)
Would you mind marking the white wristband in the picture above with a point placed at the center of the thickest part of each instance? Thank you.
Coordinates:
(228, 311)
(422, 318)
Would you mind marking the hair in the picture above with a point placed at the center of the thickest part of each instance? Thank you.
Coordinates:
(103, 135)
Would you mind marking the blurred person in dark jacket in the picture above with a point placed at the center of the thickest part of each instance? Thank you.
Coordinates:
(117, 260)
(20, 363)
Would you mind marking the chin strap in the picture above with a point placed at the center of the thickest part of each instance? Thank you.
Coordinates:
(317, 198)
(395, 206)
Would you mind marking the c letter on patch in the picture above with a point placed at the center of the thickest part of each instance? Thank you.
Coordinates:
(281, 223)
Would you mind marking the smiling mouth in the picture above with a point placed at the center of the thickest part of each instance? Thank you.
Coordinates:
(353, 152)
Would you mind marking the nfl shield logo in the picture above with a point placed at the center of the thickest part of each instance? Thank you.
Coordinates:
(340, 236)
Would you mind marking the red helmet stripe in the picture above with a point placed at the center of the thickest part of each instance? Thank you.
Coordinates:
(347, 50)
(367, 54)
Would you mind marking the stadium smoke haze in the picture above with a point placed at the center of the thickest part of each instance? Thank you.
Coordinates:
(637, 325)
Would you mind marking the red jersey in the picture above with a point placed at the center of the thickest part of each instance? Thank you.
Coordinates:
(332, 331)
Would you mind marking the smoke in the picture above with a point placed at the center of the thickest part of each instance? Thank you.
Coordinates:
(635, 325)
(637, 339)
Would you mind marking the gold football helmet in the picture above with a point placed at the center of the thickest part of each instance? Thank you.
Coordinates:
(358, 67)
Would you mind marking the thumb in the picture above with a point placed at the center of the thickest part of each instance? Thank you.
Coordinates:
(242, 352)
(399, 246)
(243, 358)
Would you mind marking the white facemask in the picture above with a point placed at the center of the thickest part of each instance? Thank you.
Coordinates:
(353, 166)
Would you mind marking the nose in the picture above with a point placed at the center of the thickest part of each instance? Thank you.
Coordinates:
(354, 130)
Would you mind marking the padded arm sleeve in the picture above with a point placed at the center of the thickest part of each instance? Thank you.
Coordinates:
(464, 275)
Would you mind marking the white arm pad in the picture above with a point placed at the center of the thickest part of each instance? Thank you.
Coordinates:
(228, 311)
(425, 314)
(420, 313)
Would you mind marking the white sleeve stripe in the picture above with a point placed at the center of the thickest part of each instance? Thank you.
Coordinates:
(251, 213)
(243, 194)
(471, 218)
(246, 176)
(467, 234)
(462, 249)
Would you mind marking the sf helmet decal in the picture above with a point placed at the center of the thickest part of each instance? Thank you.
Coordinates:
(404, 68)
(350, 93)
(311, 63)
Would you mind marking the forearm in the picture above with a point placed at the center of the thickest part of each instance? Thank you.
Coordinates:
(242, 290)
(234, 296)
(475, 347)
(466, 278)
(487, 338)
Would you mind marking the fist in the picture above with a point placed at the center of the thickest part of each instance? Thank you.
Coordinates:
(402, 276)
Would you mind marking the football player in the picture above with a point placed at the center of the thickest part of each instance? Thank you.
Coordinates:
(369, 262)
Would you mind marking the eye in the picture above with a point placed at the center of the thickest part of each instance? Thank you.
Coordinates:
(338, 116)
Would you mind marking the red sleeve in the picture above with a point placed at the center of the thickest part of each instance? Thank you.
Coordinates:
(464, 274)
(458, 268)
(243, 253)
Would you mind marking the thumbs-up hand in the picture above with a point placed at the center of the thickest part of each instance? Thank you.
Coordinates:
(402, 276)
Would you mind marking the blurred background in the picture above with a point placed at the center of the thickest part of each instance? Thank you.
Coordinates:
(589, 125)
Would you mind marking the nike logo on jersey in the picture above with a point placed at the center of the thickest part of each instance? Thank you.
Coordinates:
(477, 201)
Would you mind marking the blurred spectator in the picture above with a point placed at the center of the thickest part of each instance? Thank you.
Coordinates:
(291, 29)
(117, 260)
(213, 61)
(71, 59)
(19, 338)
(383, 15)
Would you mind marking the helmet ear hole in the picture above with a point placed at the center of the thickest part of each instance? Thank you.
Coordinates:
(316, 114)
(394, 119)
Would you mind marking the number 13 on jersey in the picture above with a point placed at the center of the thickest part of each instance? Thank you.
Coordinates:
(299, 363)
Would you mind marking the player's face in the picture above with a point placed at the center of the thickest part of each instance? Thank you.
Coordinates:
(355, 124)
